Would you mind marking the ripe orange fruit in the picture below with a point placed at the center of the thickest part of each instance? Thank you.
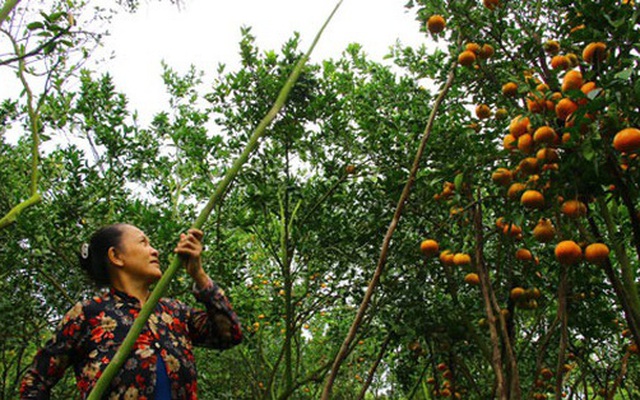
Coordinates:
(551, 47)
(544, 231)
(627, 140)
(436, 24)
(472, 47)
(542, 88)
(446, 257)
(511, 229)
(559, 62)
(533, 179)
(574, 208)
(429, 247)
(519, 126)
(525, 143)
(534, 293)
(532, 199)
(516, 293)
(572, 80)
(551, 106)
(509, 142)
(545, 134)
(486, 51)
(588, 87)
(502, 177)
(556, 97)
(565, 108)
(514, 190)
(466, 58)
(461, 259)
(596, 253)
(536, 104)
(585, 89)
(483, 111)
(472, 279)
(529, 165)
(546, 373)
(524, 255)
(509, 89)
(568, 252)
(491, 4)
(594, 52)
(576, 28)
(350, 169)
(501, 113)
(547, 155)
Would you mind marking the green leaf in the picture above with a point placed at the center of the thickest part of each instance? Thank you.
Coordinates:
(34, 25)
(458, 181)
(587, 151)
(625, 74)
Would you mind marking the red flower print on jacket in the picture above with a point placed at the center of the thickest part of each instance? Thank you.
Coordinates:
(91, 332)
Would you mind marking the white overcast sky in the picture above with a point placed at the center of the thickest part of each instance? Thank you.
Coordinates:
(206, 32)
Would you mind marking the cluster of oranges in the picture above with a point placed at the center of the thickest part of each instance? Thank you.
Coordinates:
(537, 149)
(526, 299)
(472, 52)
(431, 248)
(448, 189)
(445, 389)
(542, 382)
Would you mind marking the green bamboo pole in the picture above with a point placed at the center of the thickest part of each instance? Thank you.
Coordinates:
(127, 345)
(12, 215)
(6, 9)
(33, 113)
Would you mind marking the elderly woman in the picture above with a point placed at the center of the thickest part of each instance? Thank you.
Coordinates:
(161, 364)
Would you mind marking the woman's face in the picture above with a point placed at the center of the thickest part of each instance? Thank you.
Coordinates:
(139, 260)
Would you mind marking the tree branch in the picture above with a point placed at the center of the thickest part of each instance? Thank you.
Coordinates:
(24, 56)
(326, 394)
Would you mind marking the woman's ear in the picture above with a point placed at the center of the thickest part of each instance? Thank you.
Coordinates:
(114, 257)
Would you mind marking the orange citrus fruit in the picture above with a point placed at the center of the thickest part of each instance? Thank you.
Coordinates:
(594, 52)
(568, 252)
(596, 253)
(466, 58)
(510, 89)
(436, 24)
(572, 80)
(429, 247)
(544, 231)
(627, 140)
(532, 199)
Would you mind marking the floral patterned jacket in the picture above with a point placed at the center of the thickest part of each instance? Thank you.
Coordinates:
(91, 332)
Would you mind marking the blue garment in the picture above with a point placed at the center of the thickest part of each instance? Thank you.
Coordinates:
(163, 386)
